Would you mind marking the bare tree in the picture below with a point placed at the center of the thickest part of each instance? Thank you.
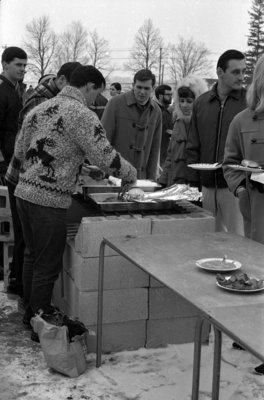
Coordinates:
(40, 44)
(73, 44)
(98, 49)
(147, 51)
(187, 57)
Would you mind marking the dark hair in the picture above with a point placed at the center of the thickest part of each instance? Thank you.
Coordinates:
(227, 56)
(85, 74)
(161, 90)
(117, 85)
(185, 92)
(10, 53)
(67, 69)
(145, 75)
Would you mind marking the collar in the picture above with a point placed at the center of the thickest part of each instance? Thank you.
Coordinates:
(74, 93)
(235, 94)
(130, 99)
(4, 79)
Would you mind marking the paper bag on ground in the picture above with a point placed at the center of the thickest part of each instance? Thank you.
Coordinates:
(60, 354)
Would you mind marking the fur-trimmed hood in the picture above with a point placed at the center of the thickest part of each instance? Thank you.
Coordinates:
(197, 86)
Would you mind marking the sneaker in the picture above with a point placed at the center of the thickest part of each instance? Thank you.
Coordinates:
(237, 346)
(52, 315)
(260, 369)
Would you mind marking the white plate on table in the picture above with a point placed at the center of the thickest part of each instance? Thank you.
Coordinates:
(245, 169)
(218, 264)
(240, 290)
(205, 166)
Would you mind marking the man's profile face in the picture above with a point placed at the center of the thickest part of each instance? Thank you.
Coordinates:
(142, 91)
(15, 69)
(92, 93)
(232, 78)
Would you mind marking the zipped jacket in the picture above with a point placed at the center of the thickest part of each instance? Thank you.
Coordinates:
(208, 131)
(10, 106)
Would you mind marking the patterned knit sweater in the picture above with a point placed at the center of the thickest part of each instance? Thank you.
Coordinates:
(54, 140)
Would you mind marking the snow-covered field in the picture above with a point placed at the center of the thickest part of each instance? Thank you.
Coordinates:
(145, 374)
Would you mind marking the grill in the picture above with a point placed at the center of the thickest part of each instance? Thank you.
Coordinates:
(90, 210)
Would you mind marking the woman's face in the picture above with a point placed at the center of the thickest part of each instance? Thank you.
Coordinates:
(113, 91)
(186, 105)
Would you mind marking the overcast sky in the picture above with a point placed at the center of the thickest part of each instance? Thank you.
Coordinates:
(219, 24)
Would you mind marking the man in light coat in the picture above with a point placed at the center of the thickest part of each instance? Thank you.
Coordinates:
(133, 123)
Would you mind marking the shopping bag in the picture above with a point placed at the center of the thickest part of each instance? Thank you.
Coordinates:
(61, 354)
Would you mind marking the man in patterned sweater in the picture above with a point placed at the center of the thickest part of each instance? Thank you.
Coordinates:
(42, 92)
(54, 140)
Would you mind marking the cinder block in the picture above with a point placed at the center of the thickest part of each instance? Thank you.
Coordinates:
(93, 229)
(119, 306)
(164, 304)
(180, 223)
(4, 202)
(8, 249)
(161, 332)
(119, 273)
(155, 283)
(6, 229)
(122, 336)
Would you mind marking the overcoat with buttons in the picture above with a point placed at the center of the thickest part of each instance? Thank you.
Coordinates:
(135, 132)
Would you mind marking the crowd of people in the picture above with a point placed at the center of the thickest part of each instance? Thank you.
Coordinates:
(148, 132)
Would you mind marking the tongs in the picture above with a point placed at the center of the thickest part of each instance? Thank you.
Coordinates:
(122, 192)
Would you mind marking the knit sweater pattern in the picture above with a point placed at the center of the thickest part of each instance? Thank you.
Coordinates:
(54, 140)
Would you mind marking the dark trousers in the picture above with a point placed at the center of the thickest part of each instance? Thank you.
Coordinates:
(16, 267)
(44, 230)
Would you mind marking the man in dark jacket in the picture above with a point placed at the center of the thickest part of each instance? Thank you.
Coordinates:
(212, 113)
(163, 95)
(14, 61)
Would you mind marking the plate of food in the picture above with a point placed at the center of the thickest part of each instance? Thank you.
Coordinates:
(247, 166)
(218, 264)
(242, 283)
(205, 166)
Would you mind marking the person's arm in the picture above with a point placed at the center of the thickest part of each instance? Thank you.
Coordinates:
(235, 179)
(23, 140)
(109, 120)
(3, 108)
(192, 150)
(153, 161)
(91, 137)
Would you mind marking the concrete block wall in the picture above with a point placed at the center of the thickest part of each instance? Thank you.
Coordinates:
(138, 310)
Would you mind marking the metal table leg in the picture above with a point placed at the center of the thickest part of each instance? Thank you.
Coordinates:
(217, 363)
(100, 305)
(197, 358)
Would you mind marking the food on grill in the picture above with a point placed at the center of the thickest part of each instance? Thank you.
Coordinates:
(240, 282)
(250, 164)
(134, 194)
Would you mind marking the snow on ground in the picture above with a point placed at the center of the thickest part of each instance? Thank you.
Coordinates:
(145, 374)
